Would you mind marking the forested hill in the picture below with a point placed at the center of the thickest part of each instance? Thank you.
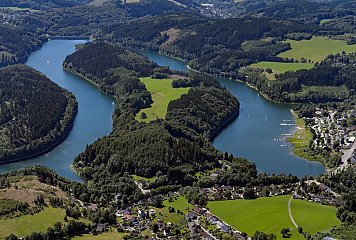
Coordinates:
(189, 36)
(332, 80)
(16, 43)
(175, 148)
(40, 4)
(35, 113)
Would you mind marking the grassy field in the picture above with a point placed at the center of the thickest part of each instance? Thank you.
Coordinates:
(301, 138)
(270, 215)
(27, 224)
(162, 93)
(148, 180)
(180, 204)
(322, 217)
(280, 67)
(103, 236)
(316, 49)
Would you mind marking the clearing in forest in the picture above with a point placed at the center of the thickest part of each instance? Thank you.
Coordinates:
(162, 93)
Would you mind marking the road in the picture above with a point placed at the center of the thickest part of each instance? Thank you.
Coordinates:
(290, 211)
(144, 191)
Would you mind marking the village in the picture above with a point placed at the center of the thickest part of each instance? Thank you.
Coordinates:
(171, 216)
(8, 14)
(333, 129)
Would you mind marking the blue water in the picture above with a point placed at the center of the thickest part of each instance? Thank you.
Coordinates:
(252, 135)
(94, 118)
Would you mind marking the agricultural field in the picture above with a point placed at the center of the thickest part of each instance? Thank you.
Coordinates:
(103, 236)
(316, 49)
(270, 215)
(162, 93)
(280, 67)
(322, 217)
(28, 224)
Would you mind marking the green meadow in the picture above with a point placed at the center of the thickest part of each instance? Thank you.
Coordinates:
(270, 215)
(28, 224)
(316, 49)
(103, 236)
(162, 93)
(301, 138)
(281, 67)
(314, 217)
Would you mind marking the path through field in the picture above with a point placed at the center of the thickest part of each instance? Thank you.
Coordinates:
(290, 212)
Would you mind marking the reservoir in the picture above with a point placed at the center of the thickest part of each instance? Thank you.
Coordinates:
(94, 117)
(258, 134)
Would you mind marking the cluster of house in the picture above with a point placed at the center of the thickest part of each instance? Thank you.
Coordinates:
(198, 232)
(330, 129)
(324, 195)
(7, 15)
(225, 192)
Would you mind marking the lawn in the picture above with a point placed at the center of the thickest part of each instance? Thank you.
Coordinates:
(103, 236)
(180, 204)
(28, 224)
(148, 180)
(301, 138)
(162, 93)
(280, 67)
(314, 217)
(270, 215)
(316, 49)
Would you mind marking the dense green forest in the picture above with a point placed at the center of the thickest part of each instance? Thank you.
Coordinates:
(190, 36)
(35, 113)
(16, 43)
(39, 4)
(178, 146)
(173, 149)
(332, 80)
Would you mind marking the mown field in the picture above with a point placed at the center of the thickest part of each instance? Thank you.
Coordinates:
(280, 67)
(315, 49)
(162, 93)
(314, 217)
(103, 236)
(180, 204)
(28, 224)
(270, 215)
